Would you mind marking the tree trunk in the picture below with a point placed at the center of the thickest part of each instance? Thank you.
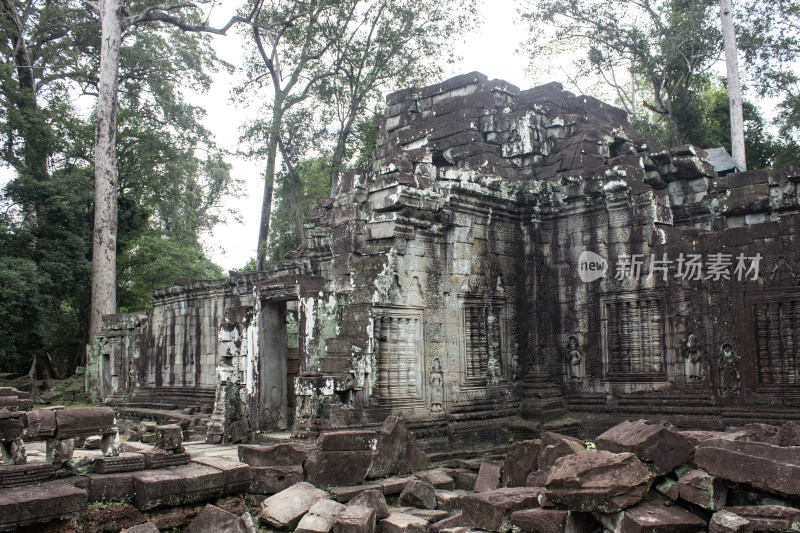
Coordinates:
(734, 86)
(104, 243)
(269, 183)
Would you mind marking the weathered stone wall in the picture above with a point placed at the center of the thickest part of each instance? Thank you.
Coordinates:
(451, 282)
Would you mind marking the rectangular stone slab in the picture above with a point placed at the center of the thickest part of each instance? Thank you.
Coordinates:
(273, 479)
(104, 487)
(237, 475)
(35, 504)
(277, 455)
(155, 460)
(348, 440)
(488, 510)
(763, 466)
(187, 484)
(124, 462)
(653, 518)
(84, 422)
(15, 475)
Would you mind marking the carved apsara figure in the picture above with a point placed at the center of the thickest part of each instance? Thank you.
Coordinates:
(728, 370)
(574, 360)
(516, 365)
(493, 370)
(693, 360)
(437, 386)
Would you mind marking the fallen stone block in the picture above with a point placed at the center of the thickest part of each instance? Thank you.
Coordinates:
(36, 504)
(652, 518)
(187, 484)
(438, 479)
(657, 443)
(522, 459)
(465, 480)
(147, 527)
(403, 523)
(156, 460)
(456, 520)
(214, 519)
(699, 488)
(488, 510)
(336, 468)
(488, 476)
(768, 517)
(276, 455)
(273, 479)
(431, 515)
(536, 479)
(372, 499)
(555, 446)
(10, 429)
(285, 509)
(26, 474)
(598, 481)
(237, 476)
(124, 462)
(788, 435)
(727, 522)
(320, 518)
(348, 441)
(392, 485)
(105, 487)
(397, 451)
(763, 466)
(345, 494)
(168, 437)
(355, 519)
(418, 493)
(449, 500)
(552, 521)
(84, 422)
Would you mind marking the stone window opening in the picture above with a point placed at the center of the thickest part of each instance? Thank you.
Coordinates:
(777, 333)
(398, 348)
(483, 326)
(633, 336)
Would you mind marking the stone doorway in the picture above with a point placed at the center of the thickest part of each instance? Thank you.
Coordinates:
(279, 363)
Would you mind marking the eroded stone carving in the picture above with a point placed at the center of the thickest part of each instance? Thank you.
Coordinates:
(728, 370)
(693, 360)
(436, 382)
(575, 371)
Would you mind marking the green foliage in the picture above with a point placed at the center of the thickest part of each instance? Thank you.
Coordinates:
(648, 53)
(168, 194)
(708, 126)
(313, 174)
(770, 41)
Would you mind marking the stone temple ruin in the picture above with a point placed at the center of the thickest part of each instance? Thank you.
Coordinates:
(514, 261)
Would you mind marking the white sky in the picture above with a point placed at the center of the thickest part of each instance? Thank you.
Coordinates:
(490, 50)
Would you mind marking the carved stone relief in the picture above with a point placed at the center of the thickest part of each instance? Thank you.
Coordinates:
(728, 365)
(693, 360)
(575, 365)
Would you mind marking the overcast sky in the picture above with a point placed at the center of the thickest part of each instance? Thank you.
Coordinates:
(490, 50)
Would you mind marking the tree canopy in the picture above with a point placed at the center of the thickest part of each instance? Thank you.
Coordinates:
(172, 177)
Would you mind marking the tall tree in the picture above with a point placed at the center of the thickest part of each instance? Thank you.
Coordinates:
(770, 41)
(734, 85)
(339, 54)
(115, 21)
(664, 43)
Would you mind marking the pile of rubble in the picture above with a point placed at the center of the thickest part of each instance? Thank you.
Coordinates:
(638, 477)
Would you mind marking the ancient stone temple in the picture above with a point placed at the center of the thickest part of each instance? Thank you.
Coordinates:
(514, 259)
